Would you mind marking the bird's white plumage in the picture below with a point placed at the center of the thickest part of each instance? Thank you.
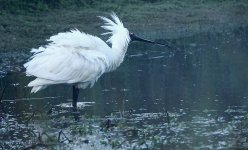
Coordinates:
(77, 58)
(119, 34)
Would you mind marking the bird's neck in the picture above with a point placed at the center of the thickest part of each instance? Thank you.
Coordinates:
(118, 55)
(119, 41)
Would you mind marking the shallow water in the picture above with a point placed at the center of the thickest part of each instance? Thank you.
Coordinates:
(193, 96)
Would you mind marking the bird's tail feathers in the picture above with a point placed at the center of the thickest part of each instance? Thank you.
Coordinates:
(39, 84)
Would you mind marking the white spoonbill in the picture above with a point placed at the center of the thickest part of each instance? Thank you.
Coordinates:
(78, 58)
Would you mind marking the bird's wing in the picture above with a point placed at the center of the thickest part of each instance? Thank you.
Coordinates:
(71, 57)
(73, 39)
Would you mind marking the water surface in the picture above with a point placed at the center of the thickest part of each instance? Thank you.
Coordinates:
(193, 96)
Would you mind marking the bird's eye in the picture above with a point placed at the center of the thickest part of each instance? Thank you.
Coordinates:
(131, 34)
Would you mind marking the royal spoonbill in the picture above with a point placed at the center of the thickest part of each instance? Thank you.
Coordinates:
(78, 58)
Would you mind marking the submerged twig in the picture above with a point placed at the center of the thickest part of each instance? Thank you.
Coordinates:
(49, 112)
(31, 117)
(3, 91)
(66, 138)
(1, 97)
(1, 146)
(108, 124)
(167, 117)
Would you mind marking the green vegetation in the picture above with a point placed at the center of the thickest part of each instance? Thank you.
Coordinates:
(25, 24)
(16, 6)
(41, 5)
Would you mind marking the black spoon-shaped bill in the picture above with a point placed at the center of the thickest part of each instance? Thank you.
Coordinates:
(136, 38)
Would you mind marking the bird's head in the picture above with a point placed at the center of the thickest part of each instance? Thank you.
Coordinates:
(120, 34)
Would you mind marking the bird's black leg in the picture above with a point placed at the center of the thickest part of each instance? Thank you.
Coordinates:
(75, 92)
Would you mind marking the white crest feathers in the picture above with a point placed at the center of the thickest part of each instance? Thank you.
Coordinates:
(115, 28)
